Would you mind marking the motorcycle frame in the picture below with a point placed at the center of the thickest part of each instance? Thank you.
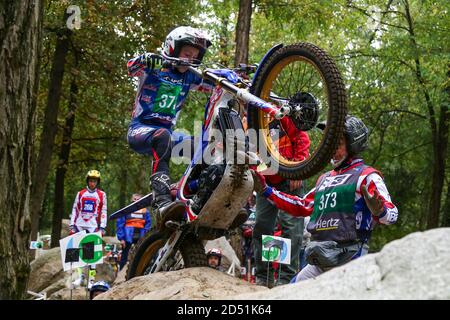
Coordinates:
(223, 92)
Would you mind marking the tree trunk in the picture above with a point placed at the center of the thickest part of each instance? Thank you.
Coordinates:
(223, 41)
(63, 162)
(20, 44)
(440, 157)
(439, 131)
(243, 32)
(446, 220)
(42, 167)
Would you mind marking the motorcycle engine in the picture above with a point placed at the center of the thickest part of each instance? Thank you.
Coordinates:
(208, 180)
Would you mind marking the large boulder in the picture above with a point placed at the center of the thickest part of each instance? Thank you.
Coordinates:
(201, 283)
(79, 293)
(414, 267)
(45, 270)
(121, 276)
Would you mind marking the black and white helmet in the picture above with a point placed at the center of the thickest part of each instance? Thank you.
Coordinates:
(181, 36)
(356, 134)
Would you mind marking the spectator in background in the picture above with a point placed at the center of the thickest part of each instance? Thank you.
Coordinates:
(293, 144)
(131, 228)
(89, 214)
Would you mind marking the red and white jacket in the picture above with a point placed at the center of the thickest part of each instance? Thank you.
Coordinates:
(292, 143)
(304, 206)
(89, 211)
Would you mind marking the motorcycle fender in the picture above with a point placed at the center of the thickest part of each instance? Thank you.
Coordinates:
(263, 60)
(227, 200)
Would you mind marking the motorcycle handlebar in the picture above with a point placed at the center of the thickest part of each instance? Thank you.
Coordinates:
(244, 95)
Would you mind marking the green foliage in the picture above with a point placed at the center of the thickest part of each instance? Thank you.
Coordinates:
(372, 44)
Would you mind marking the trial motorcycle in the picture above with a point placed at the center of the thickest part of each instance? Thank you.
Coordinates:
(299, 81)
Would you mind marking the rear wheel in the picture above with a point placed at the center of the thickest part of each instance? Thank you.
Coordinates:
(191, 253)
(304, 77)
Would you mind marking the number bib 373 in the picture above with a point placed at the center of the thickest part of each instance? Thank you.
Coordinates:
(333, 217)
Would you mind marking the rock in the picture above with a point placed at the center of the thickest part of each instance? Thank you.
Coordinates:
(65, 228)
(121, 276)
(201, 283)
(55, 287)
(47, 275)
(64, 294)
(414, 267)
(105, 272)
(45, 270)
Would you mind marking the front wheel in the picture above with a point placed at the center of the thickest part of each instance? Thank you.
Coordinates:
(191, 253)
(304, 77)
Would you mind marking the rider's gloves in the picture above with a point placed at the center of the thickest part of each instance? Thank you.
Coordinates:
(153, 61)
(72, 230)
(374, 203)
(259, 182)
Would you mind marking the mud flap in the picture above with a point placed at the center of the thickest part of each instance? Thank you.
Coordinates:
(228, 198)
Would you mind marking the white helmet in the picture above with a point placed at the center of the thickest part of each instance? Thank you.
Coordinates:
(181, 36)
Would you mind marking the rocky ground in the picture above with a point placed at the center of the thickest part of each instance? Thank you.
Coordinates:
(47, 276)
(414, 267)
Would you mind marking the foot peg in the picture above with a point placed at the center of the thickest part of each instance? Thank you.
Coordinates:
(173, 225)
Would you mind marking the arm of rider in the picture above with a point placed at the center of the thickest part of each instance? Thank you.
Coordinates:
(137, 65)
(153, 61)
(374, 202)
(259, 182)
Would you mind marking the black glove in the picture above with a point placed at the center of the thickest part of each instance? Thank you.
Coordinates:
(153, 61)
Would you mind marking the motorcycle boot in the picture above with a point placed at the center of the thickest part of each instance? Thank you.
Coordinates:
(162, 199)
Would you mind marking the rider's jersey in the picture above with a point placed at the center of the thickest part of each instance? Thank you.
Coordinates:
(89, 210)
(161, 92)
(365, 221)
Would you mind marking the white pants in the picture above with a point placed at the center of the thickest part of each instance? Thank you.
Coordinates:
(308, 272)
(311, 271)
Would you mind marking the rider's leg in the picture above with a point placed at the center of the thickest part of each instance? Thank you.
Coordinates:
(308, 272)
(266, 215)
(160, 180)
(154, 141)
(291, 228)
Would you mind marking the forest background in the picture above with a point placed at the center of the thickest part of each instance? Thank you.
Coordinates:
(394, 56)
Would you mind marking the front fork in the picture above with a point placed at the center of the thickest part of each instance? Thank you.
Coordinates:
(168, 250)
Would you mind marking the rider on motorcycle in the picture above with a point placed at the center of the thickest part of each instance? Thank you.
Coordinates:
(161, 93)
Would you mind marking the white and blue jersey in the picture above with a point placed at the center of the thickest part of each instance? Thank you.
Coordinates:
(161, 92)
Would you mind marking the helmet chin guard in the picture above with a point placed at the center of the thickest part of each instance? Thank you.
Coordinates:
(182, 36)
